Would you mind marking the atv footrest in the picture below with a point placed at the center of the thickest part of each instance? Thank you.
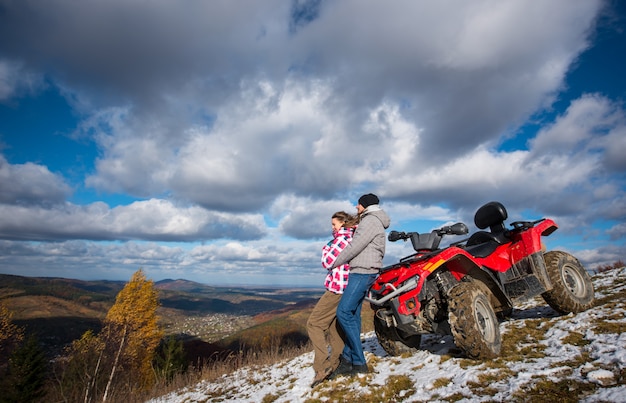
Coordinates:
(524, 288)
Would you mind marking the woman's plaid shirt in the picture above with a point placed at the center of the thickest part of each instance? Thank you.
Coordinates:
(337, 278)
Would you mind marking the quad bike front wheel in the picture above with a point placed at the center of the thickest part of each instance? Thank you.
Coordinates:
(393, 341)
(572, 290)
(473, 322)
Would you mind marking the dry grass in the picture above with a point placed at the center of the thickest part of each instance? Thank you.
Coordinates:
(213, 370)
(575, 339)
(441, 382)
(523, 344)
(396, 389)
(546, 390)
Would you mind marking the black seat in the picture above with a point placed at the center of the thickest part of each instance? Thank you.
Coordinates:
(490, 215)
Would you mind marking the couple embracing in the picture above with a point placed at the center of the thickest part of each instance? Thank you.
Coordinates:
(353, 259)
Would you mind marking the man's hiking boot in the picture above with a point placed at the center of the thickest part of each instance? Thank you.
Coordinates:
(359, 369)
(344, 368)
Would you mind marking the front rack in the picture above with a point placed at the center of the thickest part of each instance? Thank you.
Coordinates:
(411, 284)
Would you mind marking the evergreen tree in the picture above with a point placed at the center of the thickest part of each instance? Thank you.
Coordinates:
(26, 375)
(170, 359)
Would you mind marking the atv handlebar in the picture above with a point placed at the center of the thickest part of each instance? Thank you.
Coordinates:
(455, 229)
(428, 241)
(395, 236)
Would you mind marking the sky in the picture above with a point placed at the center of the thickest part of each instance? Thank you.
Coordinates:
(212, 141)
(573, 354)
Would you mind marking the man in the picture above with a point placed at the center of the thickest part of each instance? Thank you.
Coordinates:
(365, 256)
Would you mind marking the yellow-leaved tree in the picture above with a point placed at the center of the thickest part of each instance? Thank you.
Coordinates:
(132, 333)
(10, 334)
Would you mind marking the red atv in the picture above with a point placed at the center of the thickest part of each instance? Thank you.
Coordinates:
(459, 290)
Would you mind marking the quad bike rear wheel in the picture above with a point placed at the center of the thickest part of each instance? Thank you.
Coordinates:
(393, 341)
(572, 289)
(473, 322)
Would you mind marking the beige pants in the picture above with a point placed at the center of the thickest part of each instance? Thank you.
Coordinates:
(323, 331)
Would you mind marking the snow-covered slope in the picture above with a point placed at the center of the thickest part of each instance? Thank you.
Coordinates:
(545, 358)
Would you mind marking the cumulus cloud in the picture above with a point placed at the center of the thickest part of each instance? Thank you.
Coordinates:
(586, 120)
(618, 231)
(30, 184)
(152, 219)
(305, 218)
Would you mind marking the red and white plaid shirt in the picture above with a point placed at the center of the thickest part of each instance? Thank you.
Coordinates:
(337, 278)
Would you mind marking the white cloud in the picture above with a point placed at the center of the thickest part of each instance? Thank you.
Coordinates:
(614, 148)
(618, 231)
(151, 219)
(30, 184)
(587, 119)
(306, 218)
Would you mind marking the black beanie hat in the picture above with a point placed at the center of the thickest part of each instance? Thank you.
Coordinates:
(368, 199)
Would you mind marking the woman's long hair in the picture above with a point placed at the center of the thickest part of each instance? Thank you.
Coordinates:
(348, 220)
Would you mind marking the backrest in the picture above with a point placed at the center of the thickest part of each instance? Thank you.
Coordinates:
(491, 215)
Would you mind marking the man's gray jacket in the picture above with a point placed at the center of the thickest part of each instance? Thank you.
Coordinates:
(365, 252)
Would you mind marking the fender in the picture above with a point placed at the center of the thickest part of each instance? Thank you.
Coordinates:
(463, 265)
(526, 243)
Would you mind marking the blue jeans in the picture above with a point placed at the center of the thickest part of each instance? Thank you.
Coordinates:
(349, 315)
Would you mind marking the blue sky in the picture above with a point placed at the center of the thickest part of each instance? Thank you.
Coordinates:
(212, 141)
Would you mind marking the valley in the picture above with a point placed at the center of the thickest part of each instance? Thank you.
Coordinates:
(59, 310)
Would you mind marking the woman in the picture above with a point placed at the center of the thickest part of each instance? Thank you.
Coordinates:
(323, 319)
(365, 257)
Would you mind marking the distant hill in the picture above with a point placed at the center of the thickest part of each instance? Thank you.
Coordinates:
(69, 289)
(57, 310)
(182, 285)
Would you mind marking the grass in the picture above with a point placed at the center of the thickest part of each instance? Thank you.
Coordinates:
(575, 339)
(606, 327)
(441, 382)
(546, 390)
(395, 389)
(519, 344)
(214, 370)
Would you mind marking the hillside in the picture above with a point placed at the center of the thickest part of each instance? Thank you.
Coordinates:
(545, 358)
(57, 310)
(60, 310)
